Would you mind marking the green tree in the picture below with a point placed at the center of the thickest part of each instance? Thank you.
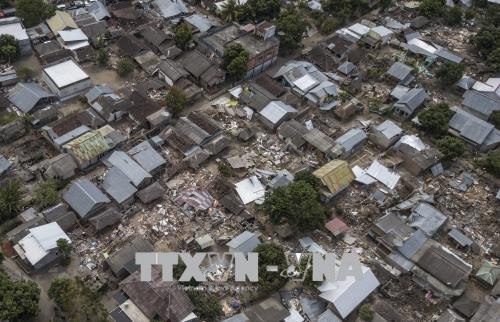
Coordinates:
(495, 119)
(183, 35)
(230, 11)
(235, 61)
(62, 291)
(307, 176)
(492, 163)
(330, 25)
(33, 12)
(18, 299)
(124, 66)
(9, 48)
(449, 73)
(76, 302)
(493, 60)
(365, 312)
(102, 57)
(65, 248)
(292, 27)
(263, 9)
(238, 67)
(470, 14)
(46, 194)
(25, 73)
(453, 16)
(432, 8)
(10, 199)
(299, 203)
(435, 119)
(207, 306)
(451, 147)
(176, 100)
(486, 40)
(270, 282)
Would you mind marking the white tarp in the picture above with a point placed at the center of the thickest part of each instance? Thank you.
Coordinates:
(250, 190)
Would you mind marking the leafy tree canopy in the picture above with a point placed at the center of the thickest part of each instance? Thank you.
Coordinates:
(451, 147)
(207, 306)
(124, 67)
(435, 120)
(33, 12)
(449, 73)
(492, 163)
(432, 8)
(263, 9)
(297, 202)
(176, 100)
(46, 194)
(270, 254)
(453, 16)
(10, 199)
(9, 48)
(18, 299)
(495, 119)
(487, 40)
(493, 60)
(291, 26)
(235, 61)
(183, 35)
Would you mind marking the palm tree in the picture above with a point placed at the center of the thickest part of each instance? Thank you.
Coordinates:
(230, 11)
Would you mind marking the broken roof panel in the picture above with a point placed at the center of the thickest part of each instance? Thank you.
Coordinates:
(427, 218)
(383, 174)
(198, 199)
(250, 190)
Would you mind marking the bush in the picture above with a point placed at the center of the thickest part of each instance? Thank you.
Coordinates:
(225, 170)
(9, 48)
(24, 73)
(102, 57)
(432, 8)
(470, 14)
(453, 16)
(124, 67)
(10, 199)
(33, 11)
(449, 73)
(46, 194)
(495, 119)
(270, 282)
(176, 100)
(365, 312)
(492, 163)
(330, 25)
(207, 306)
(451, 147)
(435, 119)
(183, 35)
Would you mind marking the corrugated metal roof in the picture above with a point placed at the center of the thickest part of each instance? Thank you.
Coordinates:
(275, 111)
(351, 139)
(65, 73)
(26, 96)
(87, 147)
(336, 175)
(98, 10)
(72, 35)
(12, 26)
(147, 157)
(383, 174)
(82, 196)
(470, 127)
(128, 166)
(171, 8)
(399, 70)
(60, 21)
(389, 129)
(244, 242)
(427, 218)
(117, 185)
(202, 23)
(481, 103)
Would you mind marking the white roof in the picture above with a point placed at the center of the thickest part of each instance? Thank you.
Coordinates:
(359, 29)
(382, 31)
(306, 82)
(347, 295)
(294, 317)
(48, 235)
(413, 141)
(422, 45)
(14, 28)
(383, 174)
(37, 244)
(73, 35)
(65, 73)
(250, 189)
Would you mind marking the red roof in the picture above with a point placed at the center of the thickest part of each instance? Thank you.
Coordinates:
(336, 226)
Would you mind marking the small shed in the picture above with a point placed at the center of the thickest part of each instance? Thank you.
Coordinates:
(337, 227)
(336, 175)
